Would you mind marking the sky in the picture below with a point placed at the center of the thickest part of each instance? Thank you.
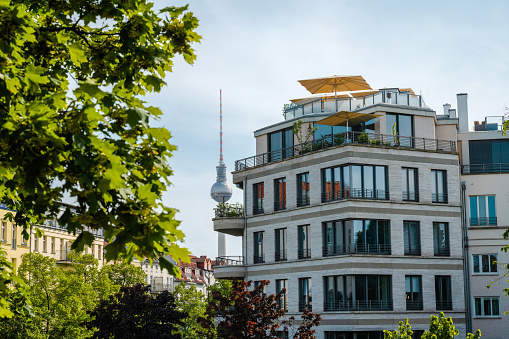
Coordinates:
(255, 51)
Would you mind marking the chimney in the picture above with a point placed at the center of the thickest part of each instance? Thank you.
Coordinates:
(447, 107)
(462, 112)
(452, 114)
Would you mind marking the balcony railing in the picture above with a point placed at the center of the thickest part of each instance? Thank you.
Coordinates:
(483, 221)
(414, 304)
(439, 198)
(345, 138)
(283, 304)
(413, 250)
(442, 251)
(279, 205)
(258, 259)
(303, 200)
(357, 249)
(303, 305)
(304, 253)
(356, 193)
(485, 168)
(445, 305)
(410, 196)
(257, 209)
(358, 305)
(161, 287)
(229, 211)
(230, 261)
(280, 255)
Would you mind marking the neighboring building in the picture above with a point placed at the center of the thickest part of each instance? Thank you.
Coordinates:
(55, 243)
(362, 226)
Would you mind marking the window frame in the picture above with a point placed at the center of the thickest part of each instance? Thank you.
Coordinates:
(280, 244)
(4, 231)
(409, 247)
(283, 302)
(438, 250)
(279, 194)
(482, 307)
(489, 205)
(435, 197)
(406, 180)
(303, 245)
(413, 304)
(305, 297)
(258, 189)
(303, 194)
(258, 247)
(443, 305)
(481, 263)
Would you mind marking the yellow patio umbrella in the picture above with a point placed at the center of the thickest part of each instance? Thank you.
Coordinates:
(346, 118)
(335, 83)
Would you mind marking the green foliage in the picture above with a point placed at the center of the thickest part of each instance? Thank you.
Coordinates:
(227, 210)
(297, 131)
(404, 331)
(73, 121)
(194, 303)
(7, 277)
(122, 274)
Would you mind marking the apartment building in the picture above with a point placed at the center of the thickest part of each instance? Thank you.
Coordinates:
(361, 223)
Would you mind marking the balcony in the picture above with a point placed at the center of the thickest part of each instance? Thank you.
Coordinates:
(229, 267)
(229, 219)
(346, 138)
(356, 193)
(485, 168)
(328, 103)
(483, 221)
(159, 287)
(356, 249)
(358, 305)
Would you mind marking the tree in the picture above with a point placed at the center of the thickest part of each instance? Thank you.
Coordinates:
(245, 313)
(192, 302)
(73, 121)
(123, 274)
(134, 313)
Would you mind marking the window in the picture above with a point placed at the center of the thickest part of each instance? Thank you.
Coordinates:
(258, 194)
(99, 251)
(413, 291)
(441, 239)
(282, 334)
(358, 292)
(4, 231)
(44, 243)
(482, 210)
(488, 156)
(485, 263)
(52, 245)
(354, 181)
(305, 296)
(62, 249)
(280, 285)
(487, 306)
(281, 144)
(23, 240)
(401, 128)
(36, 243)
(279, 194)
(13, 237)
(412, 235)
(356, 236)
(303, 189)
(303, 249)
(410, 184)
(280, 238)
(438, 186)
(443, 292)
(355, 335)
(92, 250)
(258, 247)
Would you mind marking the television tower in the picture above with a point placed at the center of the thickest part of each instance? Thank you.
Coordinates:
(221, 191)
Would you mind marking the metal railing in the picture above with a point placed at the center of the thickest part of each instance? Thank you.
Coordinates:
(161, 287)
(344, 138)
(258, 209)
(283, 304)
(230, 261)
(413, 250)
(303, 305)
(485, 168)
(357, 249)
(304, 253)
(439, 198)
(280, 255)
(442, 251)
(279, 205)
(483, 221)
(356, 193)
(358, 305)
(445, 305)
(410, 196)
(258, 259)
(414, 304)
(303, 200)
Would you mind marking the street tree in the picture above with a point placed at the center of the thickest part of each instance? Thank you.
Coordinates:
(73, 121)
(124, 274)
(194, 303)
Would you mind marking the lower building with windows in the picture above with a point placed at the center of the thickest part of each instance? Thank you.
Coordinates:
(360, 223)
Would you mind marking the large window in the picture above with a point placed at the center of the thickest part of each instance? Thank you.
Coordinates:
(303, 189)
(401, 128)
(280, 238)
(443, 293)
(487, 306)
(413, 292)
(485, 263)
(305, 296)
(358, 292)
(441, 239)
(258, 195)
(281, 144)
(490, 154)
(279, 194)
(438, 186)
(482, 210)
(354, 181)
(280, 285)
(410, 184)
(356, 236)
(412, 235)
(303, 250)
(258, 247)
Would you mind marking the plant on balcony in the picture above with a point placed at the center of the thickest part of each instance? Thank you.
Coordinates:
(227, 210)
(363, 138)
(302, 139)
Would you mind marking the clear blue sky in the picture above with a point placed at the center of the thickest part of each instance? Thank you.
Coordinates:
(255, 51)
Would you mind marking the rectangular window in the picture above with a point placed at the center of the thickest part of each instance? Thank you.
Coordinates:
(358, 292)
(281, 144)
(36, 243)
(44, 243)
(23, 240)
(13, 237)
(280, 285)
(258, 247)
(489, 156)
(303, 189)
(482, 210)
(62, 254)
(279, 194)
(280, 238)
(354, 181)
(413, 291)
(52, 245)
(487, 306)
(410, 184)
(4, 231)
(443, 293)
(441, 239)
(303, 250)
(99, 251)
(282, 334)
(356, 236)
(485, 263)
(401, 128)
(412, 235)
(258, 195)
(438, 186)
(305, 296)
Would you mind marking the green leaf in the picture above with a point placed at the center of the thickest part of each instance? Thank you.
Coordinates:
(85, 238)
(77, 53)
